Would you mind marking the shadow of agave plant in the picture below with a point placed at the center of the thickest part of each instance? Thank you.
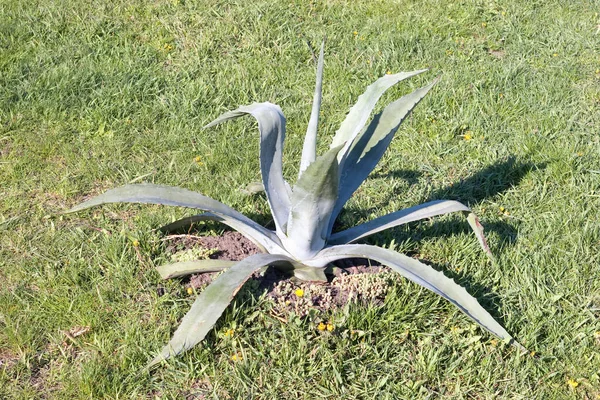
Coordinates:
(302, 242)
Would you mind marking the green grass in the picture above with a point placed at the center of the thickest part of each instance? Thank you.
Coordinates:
(95, 95)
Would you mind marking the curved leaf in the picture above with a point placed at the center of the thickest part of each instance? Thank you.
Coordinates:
(183, 268)
(174, 196)
(425, 276)
(211, 303)
(360, 112)
(415, 213)
(271, 125)
(309, 150)
(368, 147)
(313, 199)
(233, 223)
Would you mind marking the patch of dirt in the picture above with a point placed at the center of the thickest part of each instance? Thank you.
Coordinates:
(7, 359)
(499, 54)
(231, 246)
(355, 280)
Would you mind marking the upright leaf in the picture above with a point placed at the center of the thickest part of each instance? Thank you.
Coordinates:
(271, 124)
(313, 198)
(360, 112)
(211, 303)
(368, 147)
(309, 150)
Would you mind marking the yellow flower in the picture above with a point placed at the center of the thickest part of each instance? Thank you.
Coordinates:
(190, 290)
(573, 383)
(299, 292)
(555, 55)
(330, 327)
(229, 333)
(355, 33)
(135, 243)
(388, 72)
(468, 135)
(321, 326)
(494, 342)
(484, 24)
(198, 160)
(502, 209)
(237, 357)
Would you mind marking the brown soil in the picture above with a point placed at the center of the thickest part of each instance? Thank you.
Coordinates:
(357, 280)
(231, 246)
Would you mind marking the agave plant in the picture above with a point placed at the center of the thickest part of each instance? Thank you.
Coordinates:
(303, 242)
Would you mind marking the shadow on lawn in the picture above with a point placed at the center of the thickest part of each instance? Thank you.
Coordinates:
(482, 185)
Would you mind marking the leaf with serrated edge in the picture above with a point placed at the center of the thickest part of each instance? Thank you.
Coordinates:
(423, 275)
(309, 150)
(360, 112)
(271, 125)
(313, 198)
(174, 196)
(211, 303)
(175, 270)
(415, 213)
(368, 147)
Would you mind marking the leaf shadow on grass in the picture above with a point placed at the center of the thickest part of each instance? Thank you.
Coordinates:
(409, 176)
(481, 185)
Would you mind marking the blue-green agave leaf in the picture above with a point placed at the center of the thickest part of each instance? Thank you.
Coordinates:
(415, 213)
(309, 150)
(271, 124)
(360, 112)
(211, 303)
(313, 199)
(425, 276)
(174, 196)
(231, 222)
(175, 270)
(368, 147)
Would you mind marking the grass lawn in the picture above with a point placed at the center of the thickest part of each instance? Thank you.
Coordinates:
(94, 95)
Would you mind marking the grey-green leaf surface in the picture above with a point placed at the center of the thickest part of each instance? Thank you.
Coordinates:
(271, 125)
(183, 268)
(211, 303)
(369, 146)
(309, 150)
(313, 199)
(173, 196)
(415, 213)
(360, 112)
(425, 276)
(231, 222)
